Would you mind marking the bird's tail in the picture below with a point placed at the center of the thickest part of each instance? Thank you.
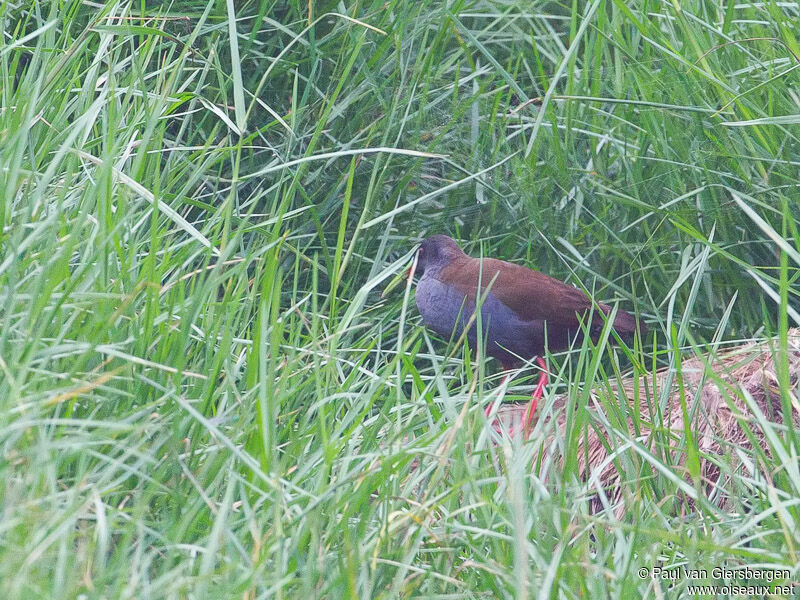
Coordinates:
(626, 325)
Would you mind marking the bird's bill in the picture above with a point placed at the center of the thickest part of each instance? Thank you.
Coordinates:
(401, 277)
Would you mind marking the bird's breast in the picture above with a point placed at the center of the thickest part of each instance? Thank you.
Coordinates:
(447, 311)
(441, 306)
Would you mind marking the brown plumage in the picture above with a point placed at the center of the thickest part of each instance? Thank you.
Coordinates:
(535, 297)
(522, 310)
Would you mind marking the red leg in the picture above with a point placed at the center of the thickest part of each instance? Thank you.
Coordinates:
(529, 412)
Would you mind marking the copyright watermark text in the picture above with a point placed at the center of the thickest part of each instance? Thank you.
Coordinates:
(724, 580)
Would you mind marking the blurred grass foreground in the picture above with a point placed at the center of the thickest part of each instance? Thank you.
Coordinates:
(203, 394)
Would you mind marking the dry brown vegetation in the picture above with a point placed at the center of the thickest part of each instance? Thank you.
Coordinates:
(734, 409)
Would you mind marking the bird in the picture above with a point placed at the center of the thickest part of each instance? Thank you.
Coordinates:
(523, 312)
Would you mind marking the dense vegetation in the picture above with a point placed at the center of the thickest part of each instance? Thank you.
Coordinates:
(203, 393)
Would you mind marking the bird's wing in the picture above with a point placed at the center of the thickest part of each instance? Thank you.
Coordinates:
(533, 296)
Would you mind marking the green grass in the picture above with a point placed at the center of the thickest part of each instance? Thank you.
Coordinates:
(202, 393)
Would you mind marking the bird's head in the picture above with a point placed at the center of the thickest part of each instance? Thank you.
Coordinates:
(433, 254)
(436, 252)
